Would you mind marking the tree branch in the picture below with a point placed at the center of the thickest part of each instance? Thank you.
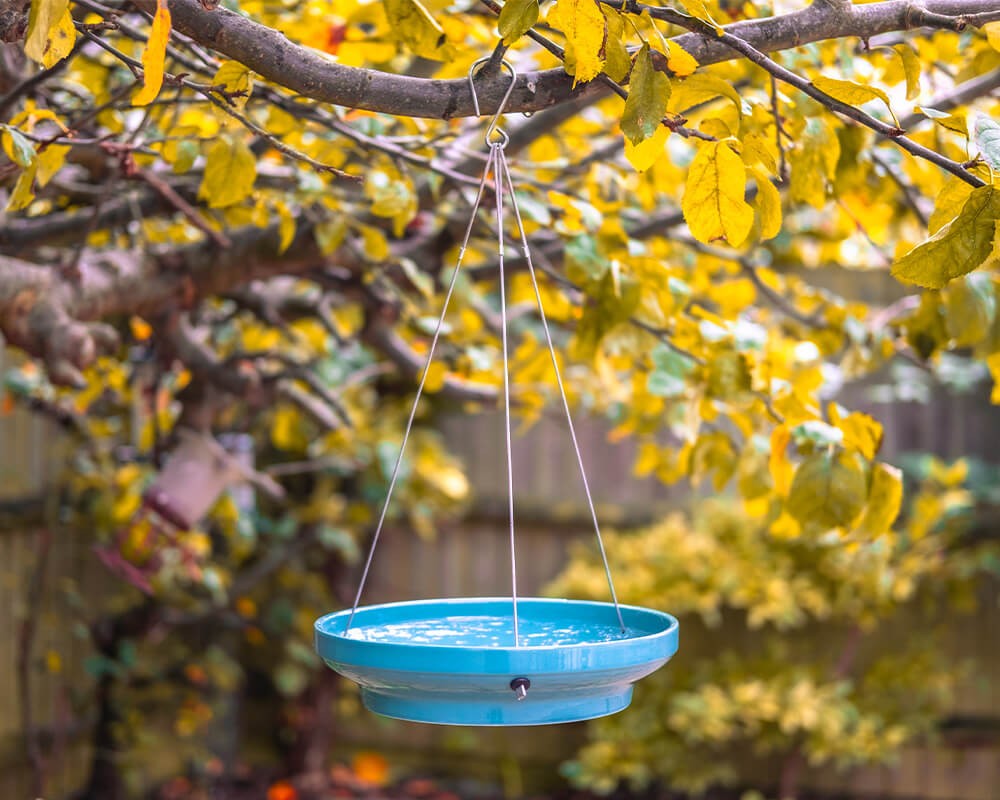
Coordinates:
(270, 54)
(53, 317)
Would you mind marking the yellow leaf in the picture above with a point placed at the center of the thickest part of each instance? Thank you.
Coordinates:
(884, 500)
(23, 193)
(713, 203)
(779, 465)
(141, 330)
(992, 31)
(154, 56)
(643, 155)
(45, 16)
(993, 364)
(948, 203)
(698, 10)
(230, 172)
(813, 159)
(951, 476)
(680, 61)
(436, 374)
(412, 25)
(911, 69)
(696, 89)
(287, 430)
(854, 94)
(236, 78)
(61, 39)
(958, 247)
(768, 205)
(786, 527)
(861, 432)
(376, 246)
(286, 227)
(516, 18)
(50, 161)
(586, 30)
(393, 195)
(957, 123)
(53, 662)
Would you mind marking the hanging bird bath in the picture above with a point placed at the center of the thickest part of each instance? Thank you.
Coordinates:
(496, 661)
(454, 662)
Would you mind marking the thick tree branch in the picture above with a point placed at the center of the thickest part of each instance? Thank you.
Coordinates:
(54, 317)
(270, 54)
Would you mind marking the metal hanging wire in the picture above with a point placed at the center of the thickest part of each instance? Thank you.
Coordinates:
(496, 161)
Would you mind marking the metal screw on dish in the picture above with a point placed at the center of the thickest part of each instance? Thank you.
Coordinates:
(520, 687)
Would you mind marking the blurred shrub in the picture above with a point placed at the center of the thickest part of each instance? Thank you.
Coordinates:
(817, 649)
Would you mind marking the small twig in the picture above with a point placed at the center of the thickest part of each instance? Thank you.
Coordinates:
(906, 188)
(26, 86)
(168, 193)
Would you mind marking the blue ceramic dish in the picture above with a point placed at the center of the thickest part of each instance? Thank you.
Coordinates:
(453, 662)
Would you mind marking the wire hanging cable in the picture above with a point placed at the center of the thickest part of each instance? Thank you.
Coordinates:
(503, 177)
(498, 158)
(496, 161)
(420, 386)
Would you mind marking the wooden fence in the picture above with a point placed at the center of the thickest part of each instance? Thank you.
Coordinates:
(472, 559)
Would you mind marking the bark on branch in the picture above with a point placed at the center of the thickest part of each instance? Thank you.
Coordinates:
(270, 54)
(55, 317)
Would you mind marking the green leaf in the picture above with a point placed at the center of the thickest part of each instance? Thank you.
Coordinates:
(854, 94)
(648, 92)
(669, 373)
(236, 79)
(728, 375)
(18, 148)
(828, 491)
(605, 309)
(230, 172)
(340, 542)
(516, 18)
(617, 63)
(986, 135)
(291, 679)
(958, 247)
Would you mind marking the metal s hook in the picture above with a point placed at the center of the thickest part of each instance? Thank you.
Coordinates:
(494, 126)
